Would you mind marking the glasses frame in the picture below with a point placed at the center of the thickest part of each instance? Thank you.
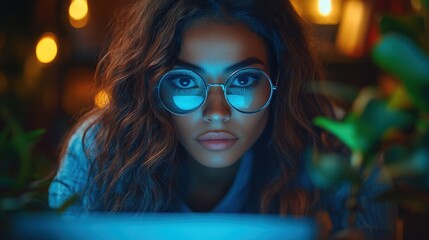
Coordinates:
(207, 87)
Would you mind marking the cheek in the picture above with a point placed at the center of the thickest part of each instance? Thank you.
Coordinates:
(254, 123)
(251, 127)
(183, 126)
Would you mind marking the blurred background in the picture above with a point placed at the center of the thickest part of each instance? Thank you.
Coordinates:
(48, 53)
(49, 50)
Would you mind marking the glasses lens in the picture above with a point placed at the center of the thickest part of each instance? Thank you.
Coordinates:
(248, 90)
(181, 91)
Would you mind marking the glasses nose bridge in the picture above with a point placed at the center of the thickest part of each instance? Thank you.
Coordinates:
(215, 85)
(222, 93)
(210, 85)
(216, 108)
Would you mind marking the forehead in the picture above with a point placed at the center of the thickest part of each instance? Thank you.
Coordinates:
(214, 46)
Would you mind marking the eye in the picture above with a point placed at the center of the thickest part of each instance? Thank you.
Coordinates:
(183, 82)
(245, 80)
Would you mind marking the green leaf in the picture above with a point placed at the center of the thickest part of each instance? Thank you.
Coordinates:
(33, 136)
(401, 57)
(378, 119)
(345, 130)
(362, 133)
(412, 26)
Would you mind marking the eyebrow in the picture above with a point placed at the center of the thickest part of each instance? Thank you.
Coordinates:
(244, 63)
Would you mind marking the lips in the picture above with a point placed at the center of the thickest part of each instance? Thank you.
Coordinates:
(217, 141)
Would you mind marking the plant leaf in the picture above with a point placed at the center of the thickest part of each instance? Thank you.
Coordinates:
(401, 57)
(378, 118)
(344, 130)
(34, 135)
(412, 26)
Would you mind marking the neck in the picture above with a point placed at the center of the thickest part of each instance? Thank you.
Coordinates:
(207, 186)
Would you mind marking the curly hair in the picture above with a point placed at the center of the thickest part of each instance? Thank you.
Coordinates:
(136, 154)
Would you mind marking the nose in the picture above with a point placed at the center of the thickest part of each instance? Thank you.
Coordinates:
(216, 108)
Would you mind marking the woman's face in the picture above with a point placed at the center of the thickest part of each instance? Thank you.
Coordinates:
(217, 135)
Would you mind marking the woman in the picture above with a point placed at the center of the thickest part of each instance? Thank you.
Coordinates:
(208, 112)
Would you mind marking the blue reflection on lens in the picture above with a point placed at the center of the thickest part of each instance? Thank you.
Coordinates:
(240, 101)
(187, 102)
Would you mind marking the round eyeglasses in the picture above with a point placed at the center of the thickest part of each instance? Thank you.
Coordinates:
(248, 90)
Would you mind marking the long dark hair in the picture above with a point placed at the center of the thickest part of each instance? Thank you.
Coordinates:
(135, 153)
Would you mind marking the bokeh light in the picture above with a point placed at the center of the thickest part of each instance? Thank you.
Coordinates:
(79, 23)
(47, 48)
(78, 9)
(101, 99)
(416, 4)
(325, 7)
(321, 12)
(352, 31)
(78, 13)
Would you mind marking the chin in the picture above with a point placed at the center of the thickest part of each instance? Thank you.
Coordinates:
(217, 162)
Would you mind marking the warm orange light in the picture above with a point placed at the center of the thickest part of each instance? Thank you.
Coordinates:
(325, 7)
(325, 12)
(78, 9)
(102, 99)
(79, 23)
(353, 28)
(78, 13)
(416, 4)
(47, 49)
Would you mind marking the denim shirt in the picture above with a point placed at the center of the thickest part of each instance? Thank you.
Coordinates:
(376, 219)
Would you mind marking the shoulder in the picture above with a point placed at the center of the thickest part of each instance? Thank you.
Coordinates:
(82, 140)
(72, 175)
